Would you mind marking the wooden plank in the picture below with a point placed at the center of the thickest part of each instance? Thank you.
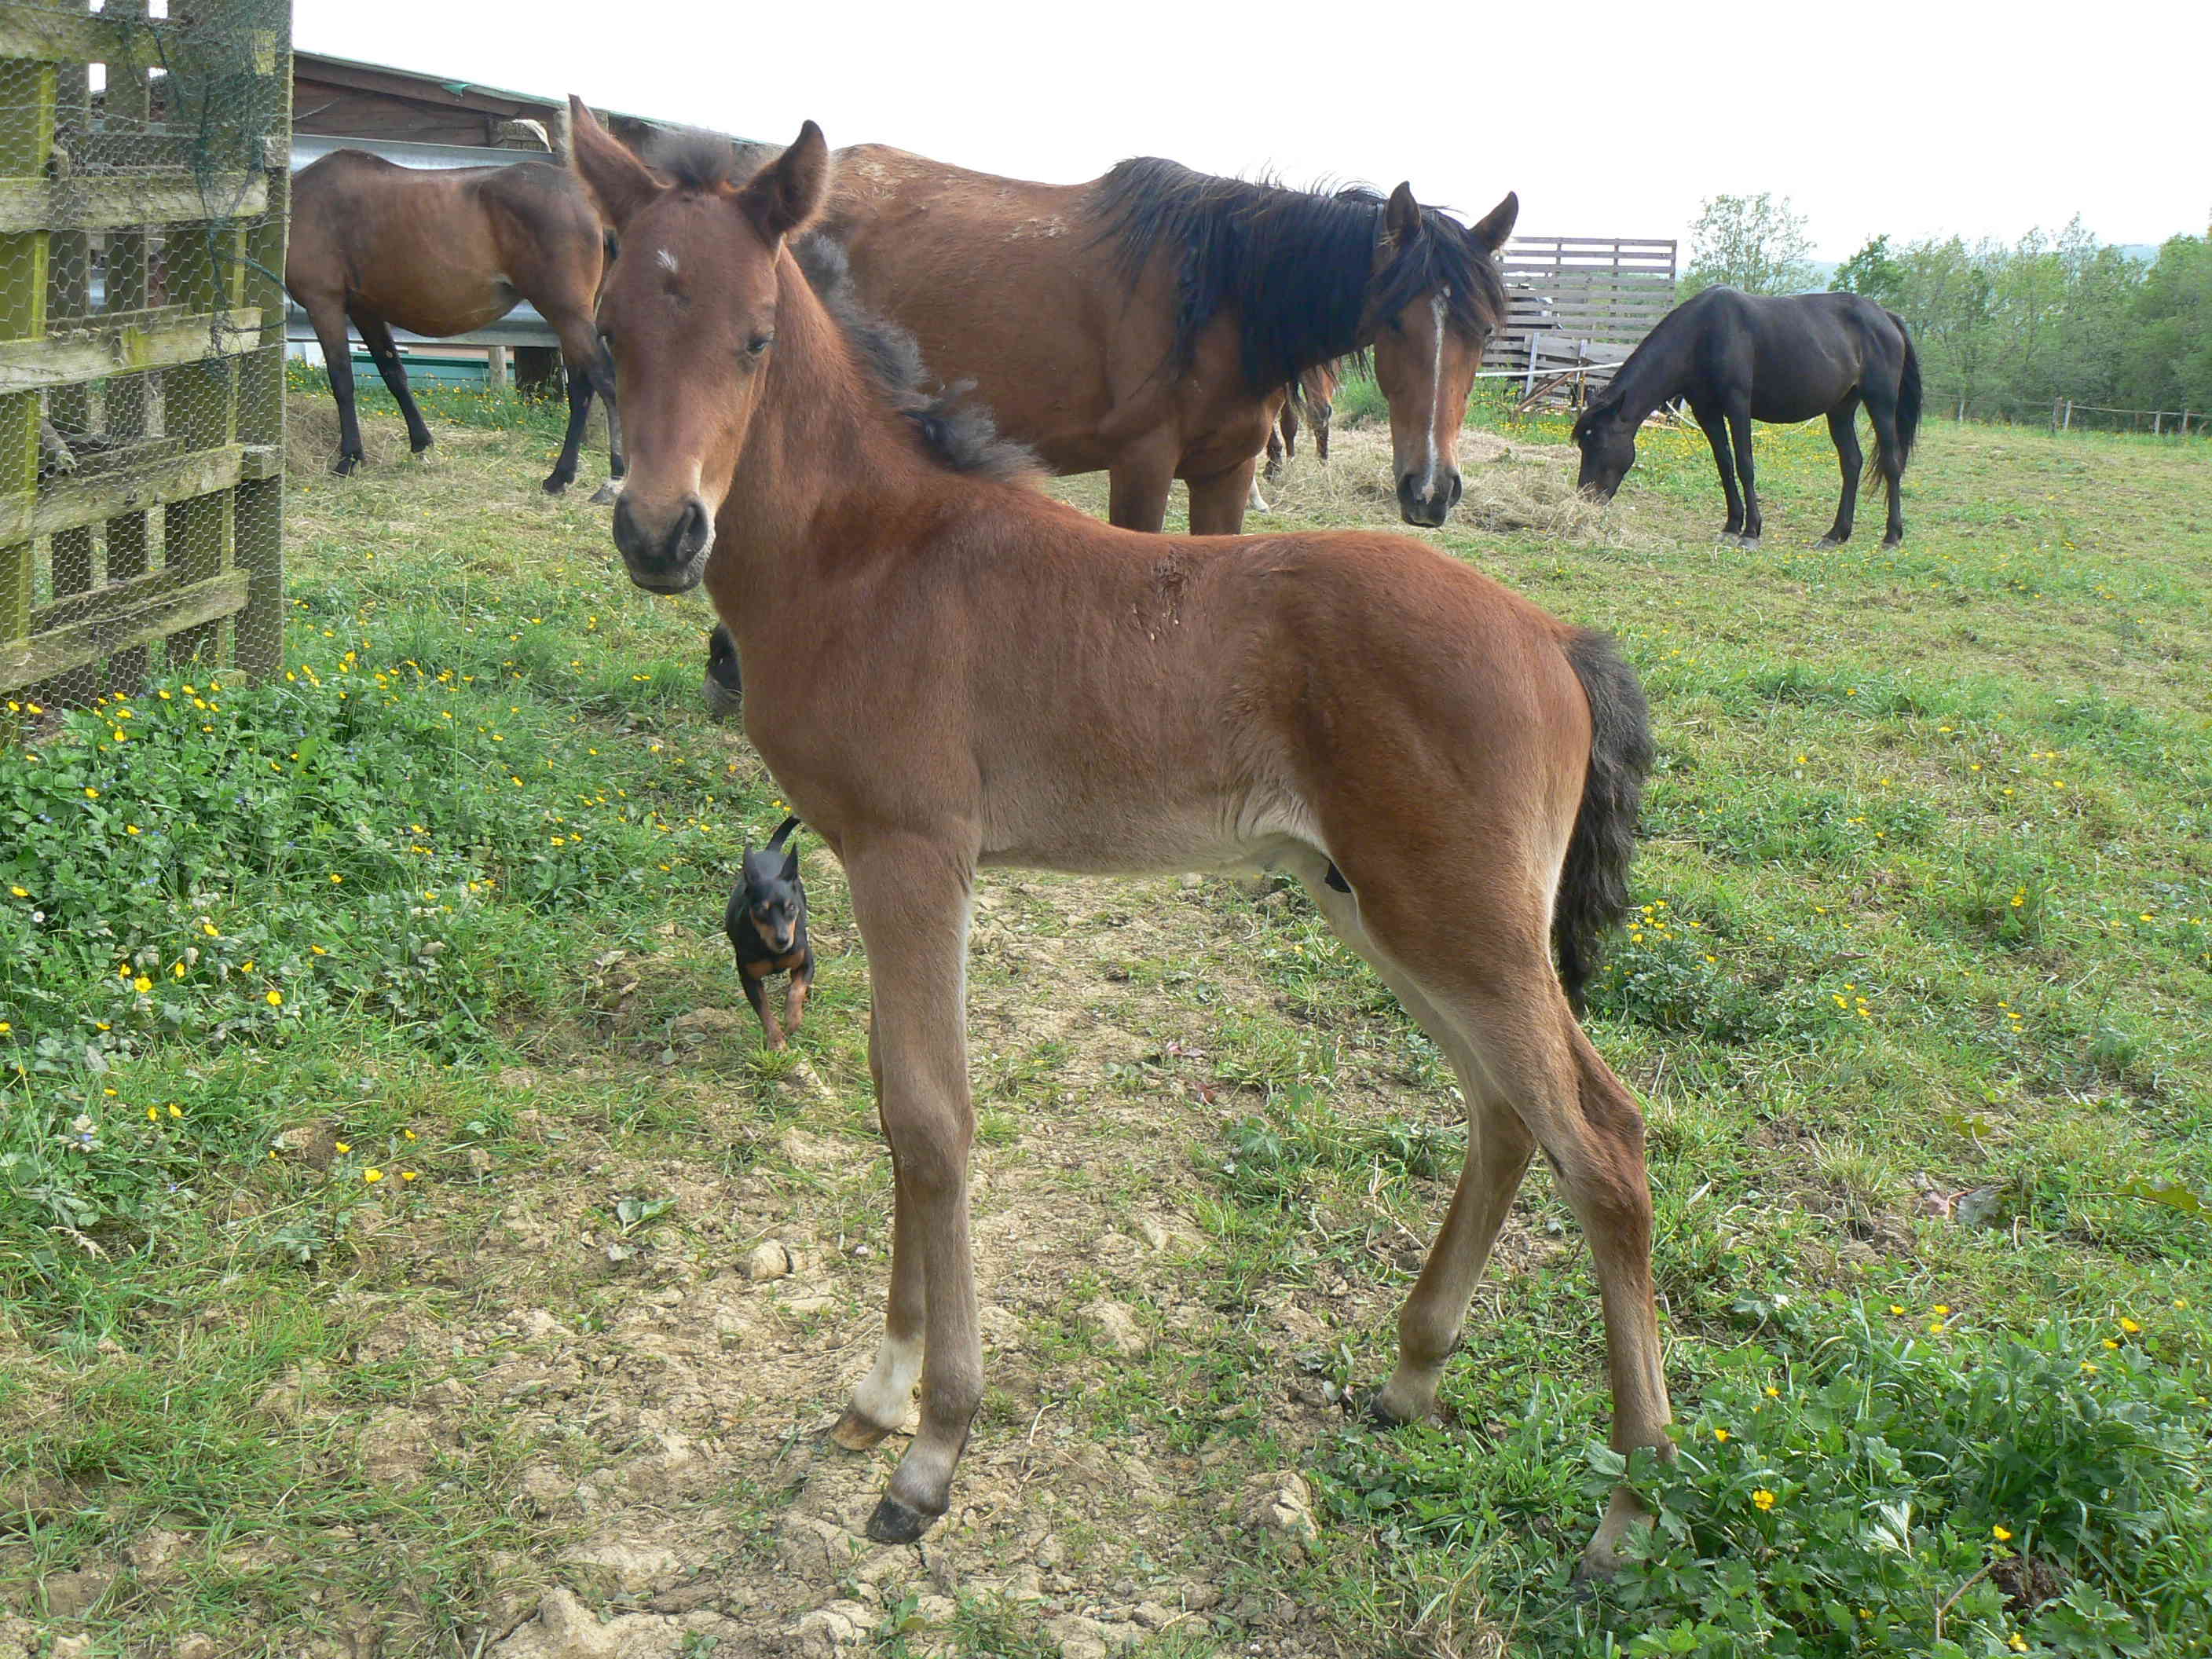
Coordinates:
(82, 354)
(112, 38)
(66, 503)
(120, 201)
(25, 662)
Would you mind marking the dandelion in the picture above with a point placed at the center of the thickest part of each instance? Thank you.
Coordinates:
(1773, 1393)
(2112, 1346)
(409, 1175)
(6, 1028)
(410, 1133)
(176, 1110)
(372, 1176)
(1896, 1311)
(1762, 1499)
(1942, 1310)
(91, 793)
(2002, 1535)
(341, 1146)
(1936, 1327)
(20, 892)
(1722, 1435)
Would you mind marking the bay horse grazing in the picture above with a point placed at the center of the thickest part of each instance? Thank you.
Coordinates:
(1737, 358)
(1145, 324)
(946, 669)
(440, 252)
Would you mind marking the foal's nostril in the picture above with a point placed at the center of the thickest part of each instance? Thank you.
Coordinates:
(692, 529)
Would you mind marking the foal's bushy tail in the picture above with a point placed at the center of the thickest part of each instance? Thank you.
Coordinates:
(1593, 886)
(1908, 399)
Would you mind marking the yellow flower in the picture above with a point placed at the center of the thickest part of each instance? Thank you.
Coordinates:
(2002, 1535)
(1763, 1499)
(1942, 1310)
(153, 1114)
(1936, 1327)
(1773, 1393)
(2087, 1369)
(410, 1133)
(90, 793)
(2112, 1345)
(1721, 1435)
(407, 1175)
(1896, 1311)
(2016, 1642)
(319, 950)
(342, 1146)
(176, 1110)
(20, 892)
(208, 928)
(2129, 1327)
(142, 984)
(372, 1176)
(5, 1026)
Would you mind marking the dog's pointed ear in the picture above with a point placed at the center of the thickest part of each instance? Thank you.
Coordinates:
(617, 179)
(1401, 215)
(789, 192)
(791, 865)
(1491, 231)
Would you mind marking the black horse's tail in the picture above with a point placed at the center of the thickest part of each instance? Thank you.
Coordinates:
(1908, 399)
(1593, 894)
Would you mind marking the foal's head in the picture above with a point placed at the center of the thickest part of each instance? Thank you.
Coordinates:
(1435, 301)
(1606, 439)
(688, 323)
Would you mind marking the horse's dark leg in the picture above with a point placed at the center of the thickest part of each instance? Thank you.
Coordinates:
(328, 318)
(616, 465)
(1738, 419)
(580, 412)
(1882, 411)
(376, 335)
(1716, 430)
(1843, 428)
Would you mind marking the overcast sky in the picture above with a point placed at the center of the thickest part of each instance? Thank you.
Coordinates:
(1610, 119)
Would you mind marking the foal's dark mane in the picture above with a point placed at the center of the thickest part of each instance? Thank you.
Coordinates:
(955, 430)
(1296, 264)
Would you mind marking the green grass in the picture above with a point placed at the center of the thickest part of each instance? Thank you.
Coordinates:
(1915, 1000)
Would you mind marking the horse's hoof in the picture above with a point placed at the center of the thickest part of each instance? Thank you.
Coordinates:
(344, 466)
(855, 1433)
(722, 703)
(1890, 544)
(1748, 543)
(893, 1522)
(1730, 538)
(556, 485)
(606, 493)
(422, 448)
(1828, 544)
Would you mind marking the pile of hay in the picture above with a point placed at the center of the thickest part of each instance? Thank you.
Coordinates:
(1509, 486)
(311, 435)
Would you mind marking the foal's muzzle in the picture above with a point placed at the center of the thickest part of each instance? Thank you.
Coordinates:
(664, 558)
(1428, 502)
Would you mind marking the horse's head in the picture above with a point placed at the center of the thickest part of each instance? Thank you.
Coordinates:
(1606, 439)
(1435, 299)
(688, 325)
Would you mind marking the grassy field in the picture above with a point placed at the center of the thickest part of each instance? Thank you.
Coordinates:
(405, 1248)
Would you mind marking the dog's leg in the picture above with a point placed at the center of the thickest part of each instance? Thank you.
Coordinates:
(754, 995)
(802, 984)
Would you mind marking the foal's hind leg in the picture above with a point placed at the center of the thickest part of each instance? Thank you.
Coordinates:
(1486, 978)
(1843, 428)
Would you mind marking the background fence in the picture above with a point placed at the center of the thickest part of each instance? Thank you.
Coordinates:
(2066, 415)
(1579, 306)
(143, 196)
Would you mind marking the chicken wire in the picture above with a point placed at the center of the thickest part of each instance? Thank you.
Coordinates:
(143, 157)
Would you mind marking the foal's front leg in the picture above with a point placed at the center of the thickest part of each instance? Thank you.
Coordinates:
(911, 896)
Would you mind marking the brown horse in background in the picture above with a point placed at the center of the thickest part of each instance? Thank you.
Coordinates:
(1314, 396)
(947, 669)
(1145, 324)
(440, 252)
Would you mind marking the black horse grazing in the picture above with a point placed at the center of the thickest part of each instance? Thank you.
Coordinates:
(1743, 358)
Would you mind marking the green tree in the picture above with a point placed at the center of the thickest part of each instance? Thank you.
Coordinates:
(1875, 271)
(2165, 361)
(1752, 242)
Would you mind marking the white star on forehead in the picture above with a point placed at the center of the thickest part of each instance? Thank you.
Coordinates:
(665, 260)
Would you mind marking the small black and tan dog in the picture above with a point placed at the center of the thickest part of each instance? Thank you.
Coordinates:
(766, 925)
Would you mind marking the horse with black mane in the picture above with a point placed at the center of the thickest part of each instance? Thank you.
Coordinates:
(440, 252)
(949, 669)
(1736, 358)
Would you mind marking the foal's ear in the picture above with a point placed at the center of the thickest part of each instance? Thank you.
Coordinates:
(1401, 214)
(784, 195)
(1492, 230)
(604, 163)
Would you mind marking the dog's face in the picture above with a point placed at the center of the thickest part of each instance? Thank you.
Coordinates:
(768, 899)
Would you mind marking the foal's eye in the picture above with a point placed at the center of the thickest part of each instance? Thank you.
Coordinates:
(759, 343)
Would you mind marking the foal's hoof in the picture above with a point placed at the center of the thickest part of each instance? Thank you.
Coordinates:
(855, 1433)
(606, 492)
(893, 1522)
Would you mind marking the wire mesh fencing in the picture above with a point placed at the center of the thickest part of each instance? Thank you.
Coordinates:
(143, 166)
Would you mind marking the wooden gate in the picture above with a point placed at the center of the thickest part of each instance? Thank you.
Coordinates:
(1579, 306)
(142, 193)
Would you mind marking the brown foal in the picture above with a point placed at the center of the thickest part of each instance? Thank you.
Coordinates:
(440, 252)
(944, 669)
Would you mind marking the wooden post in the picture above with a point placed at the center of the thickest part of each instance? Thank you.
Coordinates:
(26, 137)
(126, 397)
(495, 368)
(2055, 403)
(2069, 427)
